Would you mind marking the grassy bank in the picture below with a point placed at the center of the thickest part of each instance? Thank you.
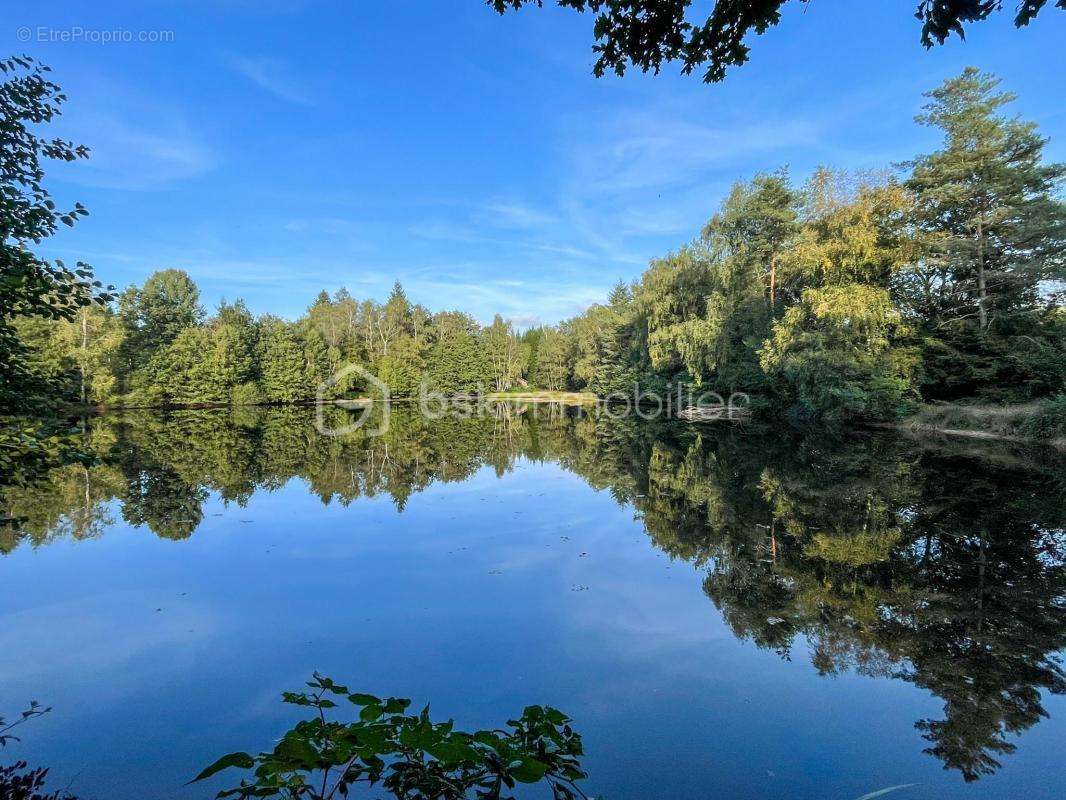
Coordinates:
(1043, 421)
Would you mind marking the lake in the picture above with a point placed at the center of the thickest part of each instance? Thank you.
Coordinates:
(726, 611)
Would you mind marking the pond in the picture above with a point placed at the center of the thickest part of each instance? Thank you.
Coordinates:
(726, 611)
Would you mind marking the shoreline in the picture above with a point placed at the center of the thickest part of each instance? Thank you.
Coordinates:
(1002, 423)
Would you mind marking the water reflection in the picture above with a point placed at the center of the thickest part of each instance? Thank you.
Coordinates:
(938, 568)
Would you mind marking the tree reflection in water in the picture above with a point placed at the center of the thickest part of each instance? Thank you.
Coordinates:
(940, 568)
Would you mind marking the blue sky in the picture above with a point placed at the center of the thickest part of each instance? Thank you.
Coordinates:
(274, 148)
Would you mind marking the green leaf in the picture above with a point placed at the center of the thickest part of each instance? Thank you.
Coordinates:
(295, 748)
(396, 705)
(239, 760)
(529, 770)
(451, 751)
(555, 716)
(371, 713)
(363, 699)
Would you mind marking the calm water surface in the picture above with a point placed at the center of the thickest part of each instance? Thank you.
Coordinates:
(726, 613)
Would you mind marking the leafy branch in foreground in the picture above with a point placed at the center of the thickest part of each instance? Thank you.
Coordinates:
(17, 781)
(408, 754)
(34, 710)
(646, 33)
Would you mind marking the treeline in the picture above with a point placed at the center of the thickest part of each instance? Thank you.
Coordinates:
(157, 347)
(851, 295)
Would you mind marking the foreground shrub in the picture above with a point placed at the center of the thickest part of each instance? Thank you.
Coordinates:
(409, 755)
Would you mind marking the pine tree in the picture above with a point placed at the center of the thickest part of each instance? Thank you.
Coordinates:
(989, 199)
(316, 363)
(456, 364)
(284, 377)
(403, 368)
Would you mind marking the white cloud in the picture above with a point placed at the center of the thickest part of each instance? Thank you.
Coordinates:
(641, 181)
(643, 152)
(125, 156)
(516, 216)
(136, 142)
(524, 303)
(452, 232)
(273, 76)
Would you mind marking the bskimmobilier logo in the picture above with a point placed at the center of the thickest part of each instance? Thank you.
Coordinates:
(680, 401)
(343, 377)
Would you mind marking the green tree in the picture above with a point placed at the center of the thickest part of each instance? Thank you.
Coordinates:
(94, 338)
(554, 358)
(834, 353)
(990, 200)
(170, 376)
(995, 230)
(394, 320)
(284, 369)
(315, 359)
(682, 337)
(748, 237)
(506, 354)
(156, 314)
(326, 320)
(228, 364)
(403, 367)
(754, 227)
(31, 286)
(456, 364)
(853, 231)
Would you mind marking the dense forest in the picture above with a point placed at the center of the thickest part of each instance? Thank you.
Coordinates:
(851, 295)
(848, 544)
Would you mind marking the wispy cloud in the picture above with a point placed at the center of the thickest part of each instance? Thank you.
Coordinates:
(274, 76)
(643, 180)
(525, 303)
(135, 142)
(515, 216)
(453, 232)
(643, 152)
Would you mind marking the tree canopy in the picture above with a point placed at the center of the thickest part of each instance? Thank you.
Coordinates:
(647, 33)
(32, 287)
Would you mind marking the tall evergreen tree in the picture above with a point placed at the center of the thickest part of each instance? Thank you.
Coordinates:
(456, 364)
(284, 376)
(989, 199)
